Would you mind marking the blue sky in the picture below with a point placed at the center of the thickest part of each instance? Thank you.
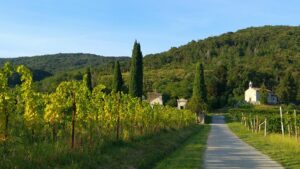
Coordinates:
(109, 27)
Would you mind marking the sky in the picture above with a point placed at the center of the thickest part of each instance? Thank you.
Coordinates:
(110, 27)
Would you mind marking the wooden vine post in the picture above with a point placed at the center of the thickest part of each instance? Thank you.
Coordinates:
(281, 121)
(251, 125)
(242, 118)
(296, 127)
(265, 127)
(257, 123)
(289, 126)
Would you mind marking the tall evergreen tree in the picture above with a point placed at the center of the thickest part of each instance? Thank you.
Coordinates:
(199, 97)
(136, 71)
(118, 80)
(89, 79)
(203, 91)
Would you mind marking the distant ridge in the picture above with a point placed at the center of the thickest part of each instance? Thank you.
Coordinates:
(266, 41)
(63, 61)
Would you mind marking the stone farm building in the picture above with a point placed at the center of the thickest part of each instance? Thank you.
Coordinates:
(181, 103)
(155, 98)
(252, 95)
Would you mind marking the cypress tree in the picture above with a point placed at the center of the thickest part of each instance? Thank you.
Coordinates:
(196, 86)
(118, 80)
(199, 97)
(136, 72)
(203, 91)
(89, 79)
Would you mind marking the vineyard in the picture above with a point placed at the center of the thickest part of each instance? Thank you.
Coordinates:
(75, 116)
(281, 121)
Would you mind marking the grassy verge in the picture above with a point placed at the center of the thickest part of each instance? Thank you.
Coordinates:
(284, 150)
(142, 153)
(190, 154)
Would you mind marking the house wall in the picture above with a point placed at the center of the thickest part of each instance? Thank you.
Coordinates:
(257, 97)
(272, 99)
(157, 101)
(181, 104)
(251, 96)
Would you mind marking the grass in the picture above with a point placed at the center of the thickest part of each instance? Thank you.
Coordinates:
(284, 150)
(142, 153)
(190, 154)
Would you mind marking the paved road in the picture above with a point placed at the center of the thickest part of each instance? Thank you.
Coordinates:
(225, 150)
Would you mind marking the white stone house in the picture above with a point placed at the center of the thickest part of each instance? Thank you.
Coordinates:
(181, 103)
(154, 98)
(252, 95)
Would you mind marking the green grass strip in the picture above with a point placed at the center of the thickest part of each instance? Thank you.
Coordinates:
(141, 153)
(284, 150)
(190, 155)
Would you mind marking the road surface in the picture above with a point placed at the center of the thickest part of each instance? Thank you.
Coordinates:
(226, 150)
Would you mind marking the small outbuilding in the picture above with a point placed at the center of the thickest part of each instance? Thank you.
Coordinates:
(155, 98)
(181, 103)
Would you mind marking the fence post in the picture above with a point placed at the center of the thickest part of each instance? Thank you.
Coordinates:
(296, 128)
(242, 118)
(288, 124)
(254, 124)
(265, 127)
(281, 120)
(251, 125)
(257, 123)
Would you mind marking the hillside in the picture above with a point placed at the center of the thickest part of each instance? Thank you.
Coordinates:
(263, 55)
(267, 41)
(63, 66)
(63, 61)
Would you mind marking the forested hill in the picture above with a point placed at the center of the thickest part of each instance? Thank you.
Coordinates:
(267, 41)
(268, 56)
(63, 61)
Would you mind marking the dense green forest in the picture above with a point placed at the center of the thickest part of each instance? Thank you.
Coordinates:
(266, 55)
